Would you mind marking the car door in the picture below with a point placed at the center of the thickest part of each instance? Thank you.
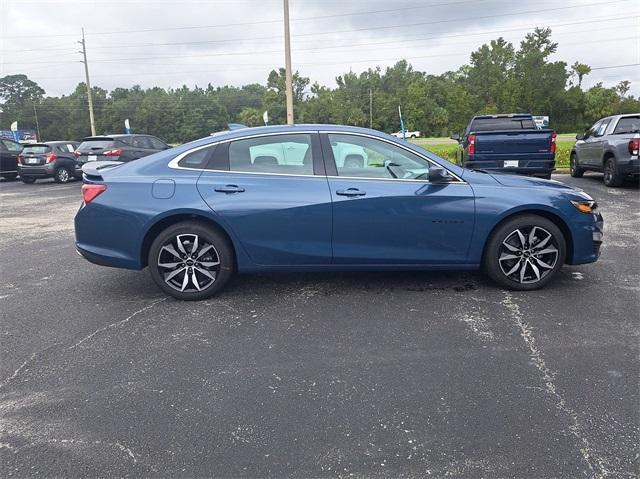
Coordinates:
(9, 151)
(387, 212)
(281, 213)
(586, 152)
(597, 144)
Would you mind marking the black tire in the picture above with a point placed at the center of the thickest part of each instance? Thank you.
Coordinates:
(10, 176)
(497, 263)
(611, 176)
(62, 175)
(546, 176)
(29, 180)
(574, 170)
(212, 246)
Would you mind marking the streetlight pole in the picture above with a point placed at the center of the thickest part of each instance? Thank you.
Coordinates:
(287, 64)
(86, 72)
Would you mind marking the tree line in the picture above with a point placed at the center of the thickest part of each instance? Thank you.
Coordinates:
(498, 79)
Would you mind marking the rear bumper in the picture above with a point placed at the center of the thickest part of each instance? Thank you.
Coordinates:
(524, 167)
(629, 167)
(43, 171)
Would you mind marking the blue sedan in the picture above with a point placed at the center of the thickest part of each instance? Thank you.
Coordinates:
(325, 198)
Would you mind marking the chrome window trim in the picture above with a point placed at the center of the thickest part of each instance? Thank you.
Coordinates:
(174, 163)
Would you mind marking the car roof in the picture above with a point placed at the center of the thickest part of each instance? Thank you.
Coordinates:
(117, 135)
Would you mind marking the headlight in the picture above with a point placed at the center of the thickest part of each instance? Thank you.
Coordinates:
(585, 206)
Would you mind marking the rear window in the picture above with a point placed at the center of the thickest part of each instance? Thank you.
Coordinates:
(36, 149)
(495, 124)
(97, 144)
(629, 124)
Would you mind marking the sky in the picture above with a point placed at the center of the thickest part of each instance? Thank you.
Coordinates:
(235, 42)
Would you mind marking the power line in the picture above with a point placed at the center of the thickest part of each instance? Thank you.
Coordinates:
(261, 22)
(474, 18)
(138, 60)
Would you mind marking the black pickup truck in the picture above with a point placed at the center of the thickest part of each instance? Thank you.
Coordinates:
(509, 143)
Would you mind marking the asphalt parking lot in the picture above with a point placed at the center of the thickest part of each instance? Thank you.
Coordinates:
(314, 375)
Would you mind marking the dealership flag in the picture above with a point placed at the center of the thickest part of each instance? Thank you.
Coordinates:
(265, 117)
(401, 123)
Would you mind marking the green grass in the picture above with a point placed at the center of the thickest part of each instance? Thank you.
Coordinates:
(446, 148)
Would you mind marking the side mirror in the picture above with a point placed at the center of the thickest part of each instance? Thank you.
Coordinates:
(437, 174)
(580, 136)
(455, 137)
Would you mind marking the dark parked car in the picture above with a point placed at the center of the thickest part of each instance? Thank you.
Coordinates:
(509, 143)
(275, 199)
(9, 151)
(52, 159)
(612, 146)
(118, 147)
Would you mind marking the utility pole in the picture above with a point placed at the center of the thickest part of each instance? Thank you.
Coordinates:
(35, 113)
(287, 64)
(86, 72)
(370, 108)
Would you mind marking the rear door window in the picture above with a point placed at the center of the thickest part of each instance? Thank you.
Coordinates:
(282, 154)
(141, 142)
(157, 144)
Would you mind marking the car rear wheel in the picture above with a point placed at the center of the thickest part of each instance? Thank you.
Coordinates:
(62, 175)
(28, 180)
(611, 176)
(574, 169)
(524, 253)
(191, 261)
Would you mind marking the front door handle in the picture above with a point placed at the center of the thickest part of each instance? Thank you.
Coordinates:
(351, 192)
(229, 189)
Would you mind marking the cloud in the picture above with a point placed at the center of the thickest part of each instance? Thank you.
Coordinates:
(159, 43)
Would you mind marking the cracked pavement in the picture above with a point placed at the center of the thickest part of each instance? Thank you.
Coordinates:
(323, 375)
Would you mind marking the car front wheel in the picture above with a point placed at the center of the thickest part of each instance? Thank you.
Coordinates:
(524, 253)
(191, 261)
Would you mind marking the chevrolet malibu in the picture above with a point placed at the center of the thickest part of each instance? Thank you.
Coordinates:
(198, 213)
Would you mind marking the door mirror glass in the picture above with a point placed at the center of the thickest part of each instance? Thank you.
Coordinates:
(580, 136)
(455, 137)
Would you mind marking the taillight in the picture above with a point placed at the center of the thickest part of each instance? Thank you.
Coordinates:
(77, 153)
(112, 152)
(634, 146)
(552, 148)
(51, 157)
(90, 192)
(20, 159)
(471, 149)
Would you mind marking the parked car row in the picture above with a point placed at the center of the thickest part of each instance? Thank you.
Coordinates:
(63, 160)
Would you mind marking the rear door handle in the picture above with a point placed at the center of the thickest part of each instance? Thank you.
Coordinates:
(351, 192)
(229, 189)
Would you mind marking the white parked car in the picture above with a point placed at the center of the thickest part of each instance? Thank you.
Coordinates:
(407, 133)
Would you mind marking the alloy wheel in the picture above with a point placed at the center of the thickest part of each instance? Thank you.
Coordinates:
(63, 175)
(608, 172)
(528, 254)
(188, 263)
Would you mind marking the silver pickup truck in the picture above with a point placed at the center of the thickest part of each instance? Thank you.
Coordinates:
(611, 145)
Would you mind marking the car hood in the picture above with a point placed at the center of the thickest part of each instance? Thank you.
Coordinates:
(529, 182)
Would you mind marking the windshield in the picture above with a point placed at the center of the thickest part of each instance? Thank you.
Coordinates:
(629, 124)
(35, 149)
